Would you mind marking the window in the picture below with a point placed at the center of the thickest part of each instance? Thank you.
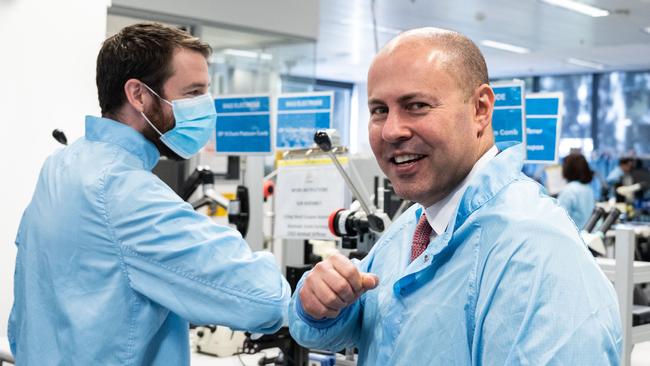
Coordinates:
(577, 102)
(577, 107)
(624, 112)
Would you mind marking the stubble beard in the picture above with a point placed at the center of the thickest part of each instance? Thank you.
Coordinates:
(157, 116)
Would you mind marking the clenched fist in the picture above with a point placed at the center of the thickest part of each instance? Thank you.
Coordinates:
(332, 285)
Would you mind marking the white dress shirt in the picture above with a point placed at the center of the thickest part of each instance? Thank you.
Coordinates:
(439, 214)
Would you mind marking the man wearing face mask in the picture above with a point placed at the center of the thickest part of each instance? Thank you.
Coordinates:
(112, 264)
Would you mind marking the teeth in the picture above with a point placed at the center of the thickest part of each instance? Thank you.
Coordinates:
(404, 158)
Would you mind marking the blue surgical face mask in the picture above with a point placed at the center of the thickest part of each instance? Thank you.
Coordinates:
(195, 123)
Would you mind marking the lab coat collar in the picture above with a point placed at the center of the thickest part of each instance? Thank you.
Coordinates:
(440, 213)
(117, 133)
(501, 171)
(497, 174)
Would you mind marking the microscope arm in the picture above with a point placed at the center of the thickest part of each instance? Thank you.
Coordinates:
(377, 220)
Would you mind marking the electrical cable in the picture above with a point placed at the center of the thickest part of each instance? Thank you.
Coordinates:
(374, 23)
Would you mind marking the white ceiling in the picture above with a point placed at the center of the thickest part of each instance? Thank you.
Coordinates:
(346, 44)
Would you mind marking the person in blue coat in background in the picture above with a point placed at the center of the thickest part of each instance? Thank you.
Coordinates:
(621, 176)
(577, 197)
(621, 172)
(485, 269)
(111, 263)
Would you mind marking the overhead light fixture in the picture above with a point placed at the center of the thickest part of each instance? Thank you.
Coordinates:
(249, 54)
(504, 46)
(585, 63)
(578, 7)
(647, 30)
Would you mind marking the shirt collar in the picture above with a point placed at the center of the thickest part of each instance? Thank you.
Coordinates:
(440, 213)
(124, 136)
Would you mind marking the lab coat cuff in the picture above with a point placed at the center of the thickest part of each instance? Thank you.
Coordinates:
(318, 323)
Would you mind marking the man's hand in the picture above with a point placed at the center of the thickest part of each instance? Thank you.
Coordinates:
(332, 285)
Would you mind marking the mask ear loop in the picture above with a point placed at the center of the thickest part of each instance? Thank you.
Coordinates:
(161, 98)
(156, 94)
(150, 124)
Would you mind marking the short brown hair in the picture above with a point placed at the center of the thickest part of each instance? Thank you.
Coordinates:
(141, 51)
(575, 167)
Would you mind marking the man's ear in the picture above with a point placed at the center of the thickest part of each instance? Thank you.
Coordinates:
(483, 107)
(136, 94)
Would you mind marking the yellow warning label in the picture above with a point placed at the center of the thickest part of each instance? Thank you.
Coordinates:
(308, 162)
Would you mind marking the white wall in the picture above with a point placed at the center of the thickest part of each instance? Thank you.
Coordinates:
(47, 81)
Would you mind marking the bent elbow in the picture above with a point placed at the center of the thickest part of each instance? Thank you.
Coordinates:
(269, 322)
(272, 315)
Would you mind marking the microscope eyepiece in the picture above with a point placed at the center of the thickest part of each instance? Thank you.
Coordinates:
(322, 139)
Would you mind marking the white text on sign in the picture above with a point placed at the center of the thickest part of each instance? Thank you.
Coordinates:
(249, 105)
(304, 103)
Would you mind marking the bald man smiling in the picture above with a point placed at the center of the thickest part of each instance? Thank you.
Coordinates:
(485, 269)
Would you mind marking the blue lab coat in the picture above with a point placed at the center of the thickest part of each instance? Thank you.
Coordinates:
(112, 264)
(510, 282)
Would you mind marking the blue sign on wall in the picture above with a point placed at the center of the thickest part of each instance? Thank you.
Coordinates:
(508, 120)
(543, 126)
(508, 95)
(300, 116)
(243, 125)
(542, 106)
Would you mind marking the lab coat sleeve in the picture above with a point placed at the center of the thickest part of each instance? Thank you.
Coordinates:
(180, 259)
(11, 324)
(329, 333)
(544, 301)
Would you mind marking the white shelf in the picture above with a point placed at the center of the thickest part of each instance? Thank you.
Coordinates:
(625, 272)
(640, 271)
(641, 333)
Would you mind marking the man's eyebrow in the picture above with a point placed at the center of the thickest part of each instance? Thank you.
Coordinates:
(197, 85)
(373, 101)
(405, 98)
(408, 97)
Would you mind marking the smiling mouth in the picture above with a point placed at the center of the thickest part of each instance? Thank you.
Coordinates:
(406, 159)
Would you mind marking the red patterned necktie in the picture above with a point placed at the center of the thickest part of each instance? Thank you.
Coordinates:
(421, 237)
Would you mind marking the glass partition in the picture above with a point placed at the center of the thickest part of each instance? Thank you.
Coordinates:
(246, 62)
(243, 61)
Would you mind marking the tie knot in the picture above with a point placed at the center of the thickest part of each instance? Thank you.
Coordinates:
(421, 237)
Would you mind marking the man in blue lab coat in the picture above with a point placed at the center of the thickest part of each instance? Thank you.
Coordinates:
(485, 269)
(112, 264)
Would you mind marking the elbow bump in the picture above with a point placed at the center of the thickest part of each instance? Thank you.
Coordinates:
(270, 321)
(276, 311)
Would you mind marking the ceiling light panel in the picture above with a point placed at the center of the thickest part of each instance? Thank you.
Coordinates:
(505, 46)
(578, 7)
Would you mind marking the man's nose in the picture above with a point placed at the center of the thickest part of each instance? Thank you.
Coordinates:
(395, 129)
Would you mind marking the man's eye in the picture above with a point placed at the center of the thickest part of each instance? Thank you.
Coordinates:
(378, 110)
(417, 107)
(194, 93)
